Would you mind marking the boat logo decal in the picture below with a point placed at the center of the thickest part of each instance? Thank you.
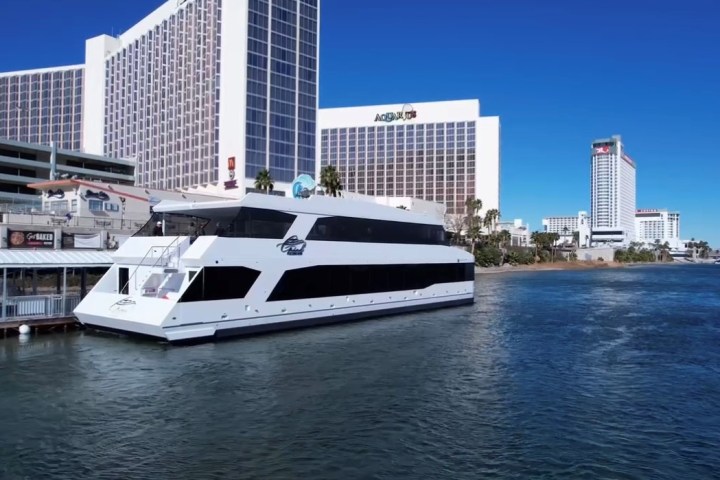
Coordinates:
(292, 246)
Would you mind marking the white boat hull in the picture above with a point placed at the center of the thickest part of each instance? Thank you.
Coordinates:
(139, 324)
(177, 290)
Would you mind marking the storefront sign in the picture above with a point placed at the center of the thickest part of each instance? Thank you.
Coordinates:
(28, 239)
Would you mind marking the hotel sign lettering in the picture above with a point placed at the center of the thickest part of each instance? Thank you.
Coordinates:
(393, 116)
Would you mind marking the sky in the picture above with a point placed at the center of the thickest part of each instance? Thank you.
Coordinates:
(558, 73)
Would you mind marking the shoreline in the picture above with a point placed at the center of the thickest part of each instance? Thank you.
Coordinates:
(556, 266)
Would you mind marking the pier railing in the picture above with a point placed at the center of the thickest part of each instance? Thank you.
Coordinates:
(39, 306)
(60, 220)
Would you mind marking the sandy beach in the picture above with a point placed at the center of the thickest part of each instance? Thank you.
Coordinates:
(579, 265)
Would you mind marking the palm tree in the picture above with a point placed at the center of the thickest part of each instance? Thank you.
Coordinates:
(505, 237)
(330, 180)
(665, 251)
(553, 238)
(656, 248)
(704, 248)
(537, 239)
(263, 181)
(473, 205)
(576, 239)
(491, 217)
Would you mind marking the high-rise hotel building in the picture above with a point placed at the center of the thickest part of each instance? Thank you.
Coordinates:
(612, 187)
(439, 151)
(199, 92)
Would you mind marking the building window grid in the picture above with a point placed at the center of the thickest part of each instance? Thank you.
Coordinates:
(162, 79)
(405, 160)
(41, 107)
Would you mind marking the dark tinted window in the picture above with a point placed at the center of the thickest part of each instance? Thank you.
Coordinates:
(335, 280)
(348, 229)
(260, 223)
(123, 277)
(220, 283)
(174, 224)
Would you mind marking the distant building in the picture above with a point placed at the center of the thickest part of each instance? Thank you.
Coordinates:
(565, 227)
(612, 189)
(43, 105)
(519, 232)
(442, 152)
(79, 214)
(662, 225)
(22, 163)
(107, 202)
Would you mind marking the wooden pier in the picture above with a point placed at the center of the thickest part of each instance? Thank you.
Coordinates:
(39, 325)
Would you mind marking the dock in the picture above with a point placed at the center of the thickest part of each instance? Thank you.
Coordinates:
(11, 328)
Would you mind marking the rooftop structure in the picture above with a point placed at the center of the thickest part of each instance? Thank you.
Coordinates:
(22, 163)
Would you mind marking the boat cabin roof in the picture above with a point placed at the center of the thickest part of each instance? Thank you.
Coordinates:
(314, 205)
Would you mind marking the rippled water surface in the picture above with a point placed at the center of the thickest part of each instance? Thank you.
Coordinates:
(591, 374)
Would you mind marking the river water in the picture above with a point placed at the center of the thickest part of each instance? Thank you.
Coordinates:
(577, 374)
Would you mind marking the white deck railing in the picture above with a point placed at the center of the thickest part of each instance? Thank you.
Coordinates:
(60, 220)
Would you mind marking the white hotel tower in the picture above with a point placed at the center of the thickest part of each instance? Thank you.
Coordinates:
(199, 92)
(612, 192)
(442, 152)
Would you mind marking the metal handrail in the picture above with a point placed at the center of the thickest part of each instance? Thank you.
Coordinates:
(165, 249)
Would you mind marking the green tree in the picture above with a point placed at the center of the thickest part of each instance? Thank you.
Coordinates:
(576, 239)
(488, 256)
(544, 244)
(330, 180)
(504, 236)
(263, 181)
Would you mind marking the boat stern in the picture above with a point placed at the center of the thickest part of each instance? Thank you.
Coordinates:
(125, 314)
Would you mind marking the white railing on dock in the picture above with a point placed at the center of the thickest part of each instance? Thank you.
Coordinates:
(58, 219)
(40, 306)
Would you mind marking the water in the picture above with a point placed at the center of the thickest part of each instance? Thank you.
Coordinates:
(582, 374)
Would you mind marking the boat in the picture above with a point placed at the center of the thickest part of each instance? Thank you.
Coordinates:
(265, 262)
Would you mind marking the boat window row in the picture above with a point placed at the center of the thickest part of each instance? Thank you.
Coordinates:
(337, 280)
(243, 222)
(247, 222)
(220, 283)
(259, 223)
(366, 230)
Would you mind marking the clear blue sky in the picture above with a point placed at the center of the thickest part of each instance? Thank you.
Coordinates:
(558, 73)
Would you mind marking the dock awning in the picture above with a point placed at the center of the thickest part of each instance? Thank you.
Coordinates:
(19, 258)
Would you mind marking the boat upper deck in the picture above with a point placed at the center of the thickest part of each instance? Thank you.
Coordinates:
(314, 205)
